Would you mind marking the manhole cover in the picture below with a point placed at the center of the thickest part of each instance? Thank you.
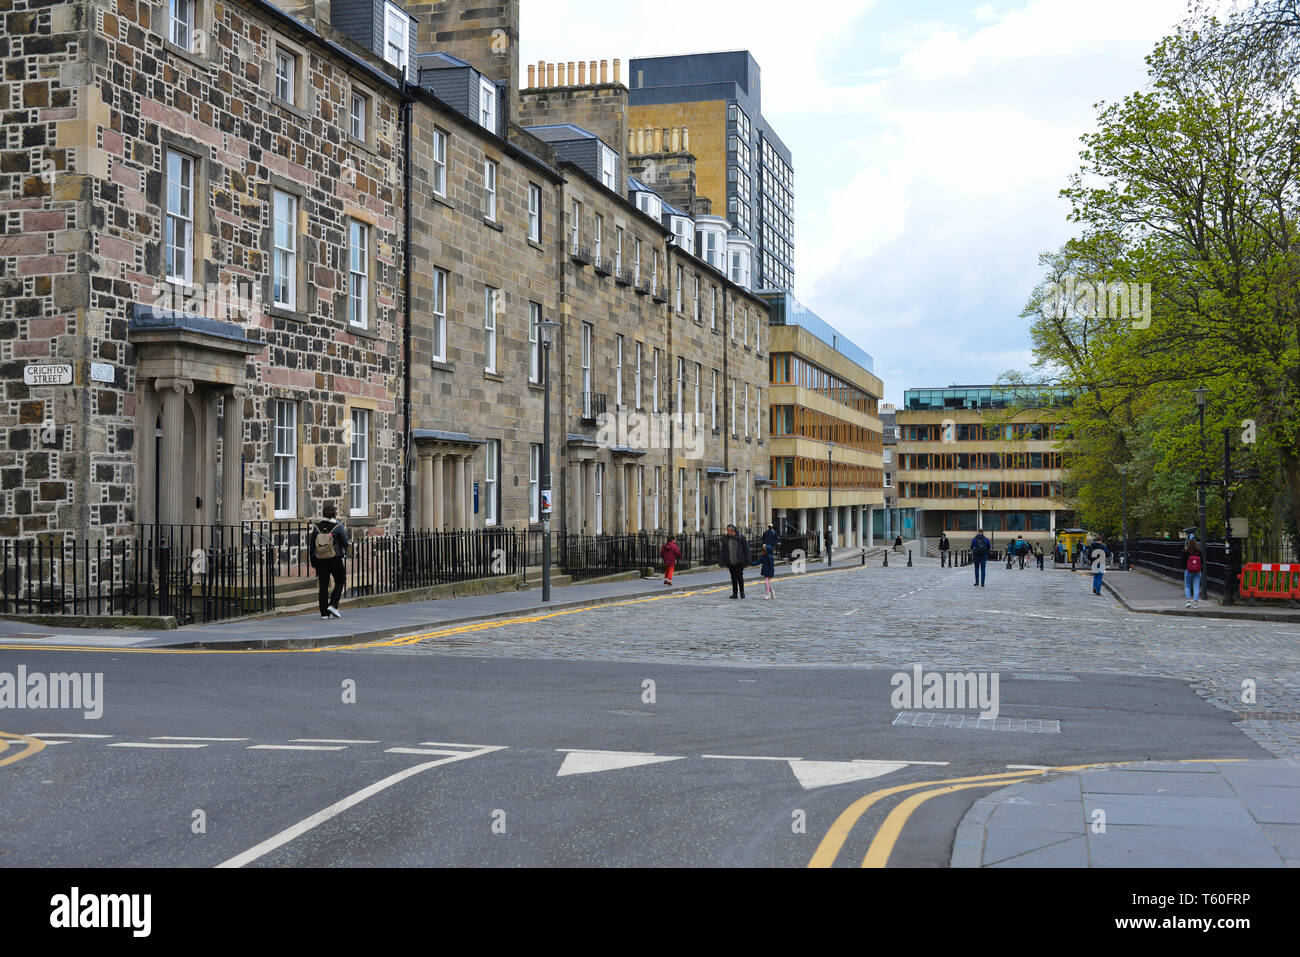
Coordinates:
(1035, 676)
(973, 722)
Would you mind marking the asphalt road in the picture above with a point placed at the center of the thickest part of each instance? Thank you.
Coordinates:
(495, 751)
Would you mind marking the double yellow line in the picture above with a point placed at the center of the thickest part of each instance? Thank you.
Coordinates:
(882, 844)
(33, 745)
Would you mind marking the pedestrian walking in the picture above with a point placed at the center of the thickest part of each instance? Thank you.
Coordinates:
(1021, 549)
(979, 549)
(1097, 555)
(770, 537)
(1039, 554)
(768, 571)
(1193, 569)
(898, 543)
(943, 549)
(670, 553)
(330, 545)
(735, 558)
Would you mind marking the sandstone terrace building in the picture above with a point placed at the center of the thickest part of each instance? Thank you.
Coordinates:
(125, 134)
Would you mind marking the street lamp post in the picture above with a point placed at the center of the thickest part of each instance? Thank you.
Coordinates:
(545, 494)
(1201, 393)
(830, 537)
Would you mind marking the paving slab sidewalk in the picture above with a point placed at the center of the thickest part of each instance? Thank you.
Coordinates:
(1146, 592)
(1166, 814)
(373, 623)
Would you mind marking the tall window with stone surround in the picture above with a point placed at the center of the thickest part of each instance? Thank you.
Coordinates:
(534, 482)
(440, 162)
(439, 315)
(286, 69)
(534, 212)
(359, 463)
(491, 481)
(284, 259)
(534, 342)
(181, 24)
(490, 190)
(180, 217)
(359, 274)
(490, 328)
(285, 468)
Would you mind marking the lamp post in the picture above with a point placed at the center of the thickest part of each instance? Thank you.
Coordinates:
(1201, 394)
(1123, 492)
(544, 494)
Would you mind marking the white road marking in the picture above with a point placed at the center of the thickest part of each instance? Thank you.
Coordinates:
(338, 807)
(56, 734)
(1028, 767)
(149, 744)
(578, 761)
(175, 738)
(329, 741)
(296, 747)
(820, 774)
(744, 757)
(449, 744)
(420, 751)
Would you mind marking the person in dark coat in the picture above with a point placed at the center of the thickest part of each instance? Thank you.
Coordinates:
(735, 558)
(943, 549)
(770, 537)
(329, 546)
(768, 570)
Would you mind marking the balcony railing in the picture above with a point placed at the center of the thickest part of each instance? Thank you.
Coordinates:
(603, 266)
(660, 295)
(580, 254)
(643, 287)
(593, 405)
(623, 277)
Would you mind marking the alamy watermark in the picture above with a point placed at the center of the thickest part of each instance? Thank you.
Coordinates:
(224, 301)
(58, 691)
(1105, 299)
(644, 431)
(920, 690)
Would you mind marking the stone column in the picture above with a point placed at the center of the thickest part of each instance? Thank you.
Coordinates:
(634, 514)
(458, 477)
(173, 392)
(803, 521)
(589, 497)
(207, 455)
(438, 498)
(870, 521)
(147, 444)
(232, 454)
(426, 491)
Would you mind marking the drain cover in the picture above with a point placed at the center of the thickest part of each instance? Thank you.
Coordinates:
(1036, 676)
(973, 722)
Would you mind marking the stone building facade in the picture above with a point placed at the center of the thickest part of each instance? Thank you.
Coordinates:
(215, 223)
(148, 171)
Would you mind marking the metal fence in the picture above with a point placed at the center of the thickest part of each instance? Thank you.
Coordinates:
(1165, 557)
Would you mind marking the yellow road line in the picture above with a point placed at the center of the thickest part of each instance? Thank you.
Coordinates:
(33, 745)
(400, 640)
(882, 845)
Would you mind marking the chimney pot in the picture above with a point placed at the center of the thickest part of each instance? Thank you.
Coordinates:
(573, 74)
(582, 73)
(617, 70)
(686, 139)
(676, 139)
(604, 71)
(550, 74)
(532, 75)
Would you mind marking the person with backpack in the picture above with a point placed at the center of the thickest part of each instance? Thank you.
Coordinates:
(768, 571)
(670, 553)
(734, 556)
(330, 544)
(1097, 555)
(1193, 568)
(1039, 554)
(944, 546)
(1021, 549)
(979, 549)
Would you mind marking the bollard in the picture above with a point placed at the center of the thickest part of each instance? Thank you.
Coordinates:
(886, 565)
(909, 558)
(864, 558)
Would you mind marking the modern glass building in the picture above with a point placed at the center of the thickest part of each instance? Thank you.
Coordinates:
(742, 166)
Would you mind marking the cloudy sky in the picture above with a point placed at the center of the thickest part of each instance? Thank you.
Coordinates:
(930, 140)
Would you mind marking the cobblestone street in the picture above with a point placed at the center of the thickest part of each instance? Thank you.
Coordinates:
(875, 617)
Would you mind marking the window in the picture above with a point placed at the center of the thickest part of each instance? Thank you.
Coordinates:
(284, 255)
(609, 168)
(490, 190)
(439, 162)
(357, 116)
(698, 373)
(491, 483)
(180, 217)
(638, 375)
(713, 401)
(534, 342)
(599, 235)
(534, 482)
(654, 494)
(636, 261)
(359, 463)
(286, 69)
(181, 24)
(600, 498)
(487, 104)
(439, 315)
(396, 35)
(586, 370)
(618, 253)
(889, 482)
(618, 371)
(681, 386)
(654, 383)
(733, 406)
(285, 477)
(359, 275)
(679, 288)
(888, 456)
(490, 328)
(746, 410)
(697, 298)
(575, 224)
(713, 315)
(681, 500)
(534, 212)
(699, 495)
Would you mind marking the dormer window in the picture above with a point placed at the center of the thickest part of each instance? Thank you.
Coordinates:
(684, 233)
(396, 35)
(650, 204)
(487, 104)
(608, 167)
